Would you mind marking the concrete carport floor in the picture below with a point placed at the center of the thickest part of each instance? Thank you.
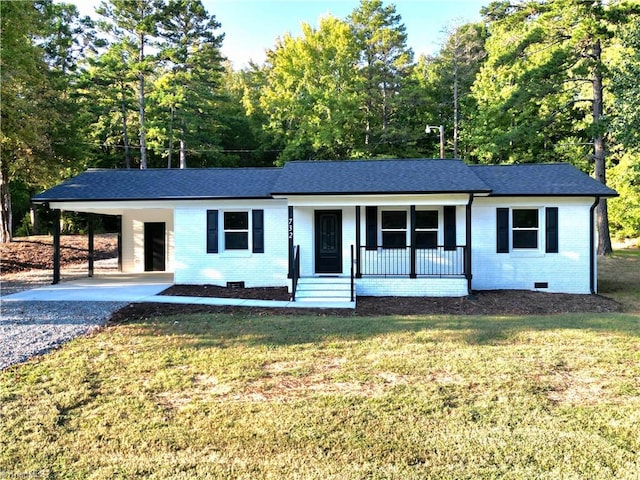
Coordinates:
(143, 287)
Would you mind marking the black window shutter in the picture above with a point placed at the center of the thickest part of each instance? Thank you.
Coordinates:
(212, 231)
(502, 221)
(551, 229)
(449, 228)
(372, 227)
(258, 231)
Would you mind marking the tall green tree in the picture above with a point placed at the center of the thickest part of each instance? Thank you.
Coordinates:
(38, 147)
(311, 94)
(188, 90)
(107, 86)
(541, 92)
(385, 62)
(450, 76)
(136, 22)
(624, 176)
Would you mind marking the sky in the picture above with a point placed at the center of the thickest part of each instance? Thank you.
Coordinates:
(252, 26)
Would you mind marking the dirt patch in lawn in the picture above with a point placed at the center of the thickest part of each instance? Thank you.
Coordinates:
(503, 302)
(36, 252)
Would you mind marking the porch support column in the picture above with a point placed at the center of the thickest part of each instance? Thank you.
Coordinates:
(56, 247)
(119, 222)
(467, 258)
(290, 236)
(358, 242)
(90, 219)
(412, 273)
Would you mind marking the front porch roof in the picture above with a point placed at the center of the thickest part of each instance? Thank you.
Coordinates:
(358, 177)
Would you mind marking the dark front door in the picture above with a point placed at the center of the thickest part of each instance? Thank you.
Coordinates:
(154, 246)
(328, 241)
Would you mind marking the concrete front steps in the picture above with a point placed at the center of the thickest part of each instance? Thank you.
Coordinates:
(324, 289)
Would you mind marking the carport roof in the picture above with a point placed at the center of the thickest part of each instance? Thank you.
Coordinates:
(164, 184)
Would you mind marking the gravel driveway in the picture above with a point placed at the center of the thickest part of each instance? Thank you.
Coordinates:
(33, 328)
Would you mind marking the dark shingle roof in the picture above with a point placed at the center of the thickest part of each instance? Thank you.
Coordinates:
(377, 176)
(544, 179)
(157, 184)
(328, 178)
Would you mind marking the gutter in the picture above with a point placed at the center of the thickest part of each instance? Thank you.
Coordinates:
(592, 246)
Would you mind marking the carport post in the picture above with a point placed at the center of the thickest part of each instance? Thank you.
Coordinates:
(56, 247)
(90, 241)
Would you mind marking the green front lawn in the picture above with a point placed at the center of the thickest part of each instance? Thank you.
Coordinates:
(233, 396)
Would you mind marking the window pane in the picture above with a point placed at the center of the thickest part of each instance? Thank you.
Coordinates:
(236, 240)
(236, 220)
(394, 220)
(394, 239)
(426, 239)
(525, 239)
(427, 219)
(525, 218)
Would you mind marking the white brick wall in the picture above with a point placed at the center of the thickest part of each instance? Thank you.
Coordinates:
(566, 271)
(411, 287)
(195, 266)
(133, 221)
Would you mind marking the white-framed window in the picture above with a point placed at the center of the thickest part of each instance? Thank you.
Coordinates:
(394, 228)
(525, 228)
(236, 230)
(426, 228)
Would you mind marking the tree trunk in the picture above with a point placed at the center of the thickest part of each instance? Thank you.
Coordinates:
(125, 130)
(5, 201)
(170, 137)
(604, 238)
(455, 100)
(143, 143)
(35, 220)
(183, 154)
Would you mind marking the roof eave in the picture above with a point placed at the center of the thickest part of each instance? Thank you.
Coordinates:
(143, 199)
(407, 192)
(586, 194)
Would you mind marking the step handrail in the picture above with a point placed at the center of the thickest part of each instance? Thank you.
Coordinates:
(353, 290)
(295, 274)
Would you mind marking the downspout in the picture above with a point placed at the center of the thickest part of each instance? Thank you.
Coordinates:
(592, 247)
(467, 260)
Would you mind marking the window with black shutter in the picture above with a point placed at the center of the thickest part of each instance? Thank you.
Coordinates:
(212, 231)
(502, 230)
(551, 229)
(394, 229)
(449, 227)
(525, 227)
(426, 229)
(257, 231)
(371, 222)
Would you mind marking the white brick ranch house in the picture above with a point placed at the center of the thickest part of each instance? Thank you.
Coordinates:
(332, 229)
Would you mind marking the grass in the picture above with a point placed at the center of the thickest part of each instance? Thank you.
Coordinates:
(237, 396)
(619, 277)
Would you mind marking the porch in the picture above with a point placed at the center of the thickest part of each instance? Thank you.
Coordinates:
(408, 271)
(397, 247)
